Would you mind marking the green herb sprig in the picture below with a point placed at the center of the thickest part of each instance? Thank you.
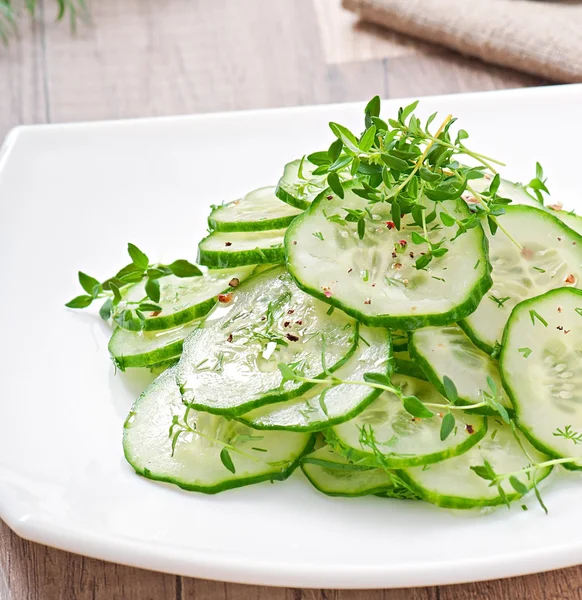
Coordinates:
(130, 314)
(568, 433)
(538, 185)
(413, 405)
(76, 10)
(404, 163)
(486, 471)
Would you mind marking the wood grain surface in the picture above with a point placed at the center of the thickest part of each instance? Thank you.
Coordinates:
(146, 58)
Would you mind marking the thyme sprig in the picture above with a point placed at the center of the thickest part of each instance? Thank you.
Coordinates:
(130, 314)
(413, 405)
(403, 163)
(486, 471)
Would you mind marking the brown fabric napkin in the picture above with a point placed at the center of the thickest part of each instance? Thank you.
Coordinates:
(542, 38)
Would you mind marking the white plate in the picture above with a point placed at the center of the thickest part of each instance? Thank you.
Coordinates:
(72, 197)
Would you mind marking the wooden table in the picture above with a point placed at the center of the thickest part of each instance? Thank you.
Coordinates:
(146, 58)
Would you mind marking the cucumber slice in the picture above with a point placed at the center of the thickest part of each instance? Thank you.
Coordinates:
(147, 348)
(551, 257)
(334, 475)
(403, 440)
(185, 299)
(447, 351)
(229, 366)
(541, 367)
(404, 365)
(160, 367)
(322, 406)
(452, 484)
(257, 211)
(227, 250)
(377, 286)
(196, 462)
(296, 191)
(570, 218)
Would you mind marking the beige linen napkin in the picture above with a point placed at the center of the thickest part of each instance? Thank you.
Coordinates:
(543, 38)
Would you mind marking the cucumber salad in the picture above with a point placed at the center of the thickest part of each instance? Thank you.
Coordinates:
(393, 318)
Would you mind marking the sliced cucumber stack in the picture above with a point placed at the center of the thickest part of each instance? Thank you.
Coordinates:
(401, 439)
(322, 405)
(334, 475)
(221, 250)
(363, 304)
(541, 366)
(183, 300)
(447, 352)
(371, 279)
(259, 210)
(200, 451)
(452, 484)
(147, 348)
(549, 256)
(230, 365)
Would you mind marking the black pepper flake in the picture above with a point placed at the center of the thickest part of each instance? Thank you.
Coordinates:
(329, 197)
(567, 330)
(263, 318)
(290, 311)
(394, 255)
(286, 324)
(469, 429)
(560, 328)
(367, 301)
(228, 243)
(299, 322)
(292, 337)
(411, 254)
(294, 243)
(350, 270)
(229, 338)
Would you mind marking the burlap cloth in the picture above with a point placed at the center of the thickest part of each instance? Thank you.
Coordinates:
(542, 38)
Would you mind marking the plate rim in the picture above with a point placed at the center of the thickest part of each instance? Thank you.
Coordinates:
(233, 569)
